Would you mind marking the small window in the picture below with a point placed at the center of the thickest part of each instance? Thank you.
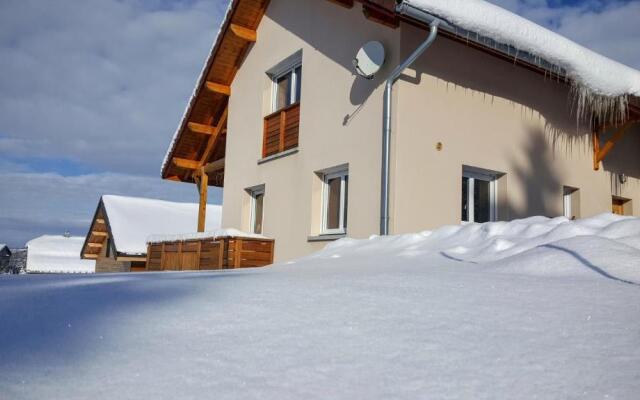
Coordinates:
(620, 206)
(569, 202)
(334, 209)
(478, 196)
(287, 87)
(257, 206)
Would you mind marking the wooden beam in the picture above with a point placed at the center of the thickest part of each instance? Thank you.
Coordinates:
(242, 32)
(595, 139)
(201, 128)
(608, 146)
(184, 163)
(214, 137)
(99, 233)
(218, 88)
(89, 255)
(99, 220)
(95, 244)
(213, 166)
(203, 185)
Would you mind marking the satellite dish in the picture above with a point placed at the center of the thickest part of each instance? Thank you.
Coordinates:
(369, 59)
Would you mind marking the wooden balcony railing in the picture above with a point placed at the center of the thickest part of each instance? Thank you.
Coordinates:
(281, 130)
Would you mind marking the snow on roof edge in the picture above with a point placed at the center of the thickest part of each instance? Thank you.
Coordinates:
(199, 82)
(600, 85)
(218, 233)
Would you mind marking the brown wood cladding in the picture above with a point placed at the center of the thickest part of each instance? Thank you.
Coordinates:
(209, 254)
(281, 130)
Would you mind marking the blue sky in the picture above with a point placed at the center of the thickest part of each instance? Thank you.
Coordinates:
(91, 92)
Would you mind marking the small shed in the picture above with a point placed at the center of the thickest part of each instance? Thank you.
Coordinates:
(220, 249)
(117, 238)
(57, 254)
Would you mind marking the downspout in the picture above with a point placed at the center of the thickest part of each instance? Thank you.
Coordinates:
(386, 116)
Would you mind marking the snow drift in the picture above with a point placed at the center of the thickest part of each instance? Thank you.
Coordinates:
(492, 311)
(606, 245)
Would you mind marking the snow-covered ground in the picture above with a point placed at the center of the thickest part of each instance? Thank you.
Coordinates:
(546, 309)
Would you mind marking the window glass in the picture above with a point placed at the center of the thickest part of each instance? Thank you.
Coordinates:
(257, 212)
(482, 200)
(334, 186)
(465, 198)
(283, 91)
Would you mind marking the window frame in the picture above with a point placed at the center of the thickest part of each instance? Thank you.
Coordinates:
(472, 176)
(294, 95)
(344, 202)
(254, 193)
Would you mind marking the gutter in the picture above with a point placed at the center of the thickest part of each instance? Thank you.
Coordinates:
(434, 23)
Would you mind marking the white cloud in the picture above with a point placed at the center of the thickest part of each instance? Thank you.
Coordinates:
(33, 204)
(99, 82)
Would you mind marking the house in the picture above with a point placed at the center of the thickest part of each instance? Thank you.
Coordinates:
(5, 256)
(117, 238)
(475, 115)
(57, 254)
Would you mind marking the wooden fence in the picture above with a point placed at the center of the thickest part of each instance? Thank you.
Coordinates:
(209, 254)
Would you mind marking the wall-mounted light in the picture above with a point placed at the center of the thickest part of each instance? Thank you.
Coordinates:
(622, 178)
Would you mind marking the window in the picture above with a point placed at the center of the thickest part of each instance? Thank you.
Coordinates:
(334, 204)
(620, 205)
(257, 204)
(282, 126)
(570, 202)
(287, 87)
(479, 190)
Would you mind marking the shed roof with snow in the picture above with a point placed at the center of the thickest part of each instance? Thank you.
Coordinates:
(125, 223)
(57, 254)
(4, 248)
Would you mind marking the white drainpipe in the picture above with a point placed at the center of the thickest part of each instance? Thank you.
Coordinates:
(434, 23)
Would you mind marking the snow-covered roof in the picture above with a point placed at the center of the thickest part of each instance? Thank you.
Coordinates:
(594, 71)
(2, 246)
(57, 254)
(218, 233)
(133, 219)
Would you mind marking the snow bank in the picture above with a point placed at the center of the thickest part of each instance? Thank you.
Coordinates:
(133, 219)
(227, 232)
(606, 245)
(386, 318)
(57, 254)
(600, 74)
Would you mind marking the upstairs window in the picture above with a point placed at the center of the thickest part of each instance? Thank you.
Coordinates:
(287, 88)
(281, 127)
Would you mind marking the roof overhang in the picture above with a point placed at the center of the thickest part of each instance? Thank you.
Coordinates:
(198, 145)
